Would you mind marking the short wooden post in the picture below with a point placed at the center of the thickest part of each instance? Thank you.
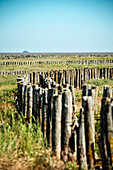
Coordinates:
(107, 92)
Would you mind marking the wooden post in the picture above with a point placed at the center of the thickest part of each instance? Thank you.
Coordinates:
(25, 102)
(63, 79)
(40, 105)
(35, 108)
(66, 120)
(89, 73)
(44, 113)
(49, 116)
(108, 73)
(31, 78)
(77, 78)
(56, 124)
(106, 128)
(73, 99)
(81, 150)
(22, 86)
(89, 136)
(29, 101)
(85, 89)
(34, 78)
(37, 78)
(107, 92)
(19, 95)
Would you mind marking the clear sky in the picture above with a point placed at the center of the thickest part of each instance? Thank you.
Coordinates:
(56, 25)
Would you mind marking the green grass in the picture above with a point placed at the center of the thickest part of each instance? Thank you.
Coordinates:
(21, 143)
(101, 82)
(31, 68)
(52, 58)
(7, 80)
(18, 139)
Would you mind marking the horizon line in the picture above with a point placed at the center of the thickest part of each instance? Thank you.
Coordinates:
(27, 52)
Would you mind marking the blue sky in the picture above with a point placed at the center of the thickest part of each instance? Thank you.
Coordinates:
(56, 25)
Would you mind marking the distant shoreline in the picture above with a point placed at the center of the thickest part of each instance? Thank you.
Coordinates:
(57, 53)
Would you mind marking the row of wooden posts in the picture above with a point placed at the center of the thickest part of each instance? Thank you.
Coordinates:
(56, 62)
(51, 55)
(86, 130)
(54, 106)
(12, 72)
(75, 77)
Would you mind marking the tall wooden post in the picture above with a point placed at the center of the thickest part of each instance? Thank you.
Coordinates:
(29, 101)
(66, 120)
(56, 124)
(81, 151)
(89, 127)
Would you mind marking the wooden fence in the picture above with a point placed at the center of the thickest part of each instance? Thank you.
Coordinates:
(51, 100)
(12, 72)
(85, 62)
(75, 77)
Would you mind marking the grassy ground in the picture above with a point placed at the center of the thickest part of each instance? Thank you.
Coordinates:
(21, 145)
(50, 58)
(31, 68)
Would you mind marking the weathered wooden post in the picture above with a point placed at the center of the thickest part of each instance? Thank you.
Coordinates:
(56, 124)
(28, 77)
(25, 102)
(107, 92)
(60, 77)
(89, 130)
(82, 77)
(77, 78)
(81, 150)
(29, 101)
(92, 73)
(98, 76)
(49, 116)
(19, 96)
(22, 86)
(101, 73)
(37, 78)
(73, 98)
(63, 78)
(85, 89)
(44, 113)
(35, 109)
(89, 73)
(31, 78)
(106, 128)
(66, 121)
(40, 105)
(108, 73)
(34, 78)
(72, 77)
(67, 77)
